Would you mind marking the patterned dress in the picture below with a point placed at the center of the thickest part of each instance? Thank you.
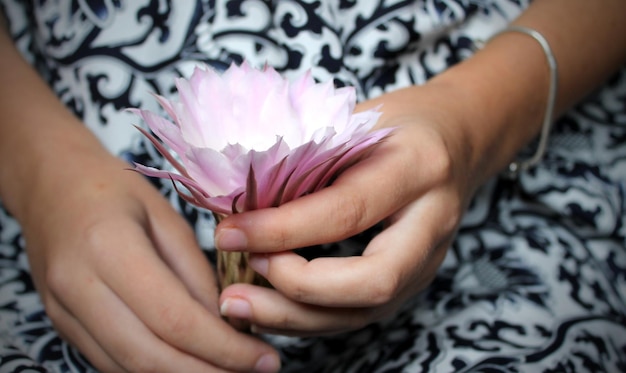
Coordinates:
(534, 282)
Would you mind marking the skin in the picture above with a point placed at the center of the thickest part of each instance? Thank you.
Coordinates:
(454, 133)
(103, 256)
(118, 270)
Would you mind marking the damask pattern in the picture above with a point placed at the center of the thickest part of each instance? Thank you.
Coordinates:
(536, 279)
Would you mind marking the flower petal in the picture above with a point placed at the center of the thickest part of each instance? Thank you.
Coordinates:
(216, 173)
(249, 139)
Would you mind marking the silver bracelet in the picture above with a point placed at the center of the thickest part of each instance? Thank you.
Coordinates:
(522, 165)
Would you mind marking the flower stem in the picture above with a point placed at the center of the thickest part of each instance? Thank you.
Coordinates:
(233, 267)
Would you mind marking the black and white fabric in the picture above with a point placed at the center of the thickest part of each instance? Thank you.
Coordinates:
(535, 281)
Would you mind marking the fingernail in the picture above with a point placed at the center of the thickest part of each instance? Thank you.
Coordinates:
(259, 263)
(236, 307)
(267, 364)
(231, 239)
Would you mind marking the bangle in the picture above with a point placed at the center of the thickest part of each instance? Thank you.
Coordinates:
(522, 165)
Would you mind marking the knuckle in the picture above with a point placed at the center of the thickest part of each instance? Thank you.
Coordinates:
(440, 164)
(454, 219)
(434, 157)
(451, 217)
(175, 324)
(277, 237)
(231, 358)
(353, 210)
(384, 289)
(57, 280)
(281, 240)
(285, 321)
(53, 309)
(95, 234)
(298, 292)
(139, 364)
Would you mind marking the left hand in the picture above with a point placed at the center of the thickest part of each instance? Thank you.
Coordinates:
(417, 181)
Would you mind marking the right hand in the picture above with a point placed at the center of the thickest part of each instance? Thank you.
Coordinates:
(121, 275)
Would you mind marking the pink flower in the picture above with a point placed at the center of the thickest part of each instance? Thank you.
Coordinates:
(248, 139)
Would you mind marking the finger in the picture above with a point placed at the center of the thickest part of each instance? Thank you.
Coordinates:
(342, 278)
(271, 312)
(362, 196)
(161, 301)
(72, 331)
(176, 243)
(120, 334)
(405, 255)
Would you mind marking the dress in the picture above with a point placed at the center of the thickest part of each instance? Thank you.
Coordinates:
(534, 282)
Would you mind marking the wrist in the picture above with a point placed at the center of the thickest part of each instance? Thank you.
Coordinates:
(44, 164)
(39, 137)
(499, 99)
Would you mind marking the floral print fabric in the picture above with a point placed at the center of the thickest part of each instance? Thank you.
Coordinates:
(534, 282)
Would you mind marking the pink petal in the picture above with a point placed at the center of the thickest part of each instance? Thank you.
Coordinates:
(163, 151)
(216, 173)
(249, 139)
(167, 131)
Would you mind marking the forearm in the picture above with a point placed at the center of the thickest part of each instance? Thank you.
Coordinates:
(501, 92)
(36, 130)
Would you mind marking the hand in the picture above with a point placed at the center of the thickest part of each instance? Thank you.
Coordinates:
(121, 275)
(419, 182)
